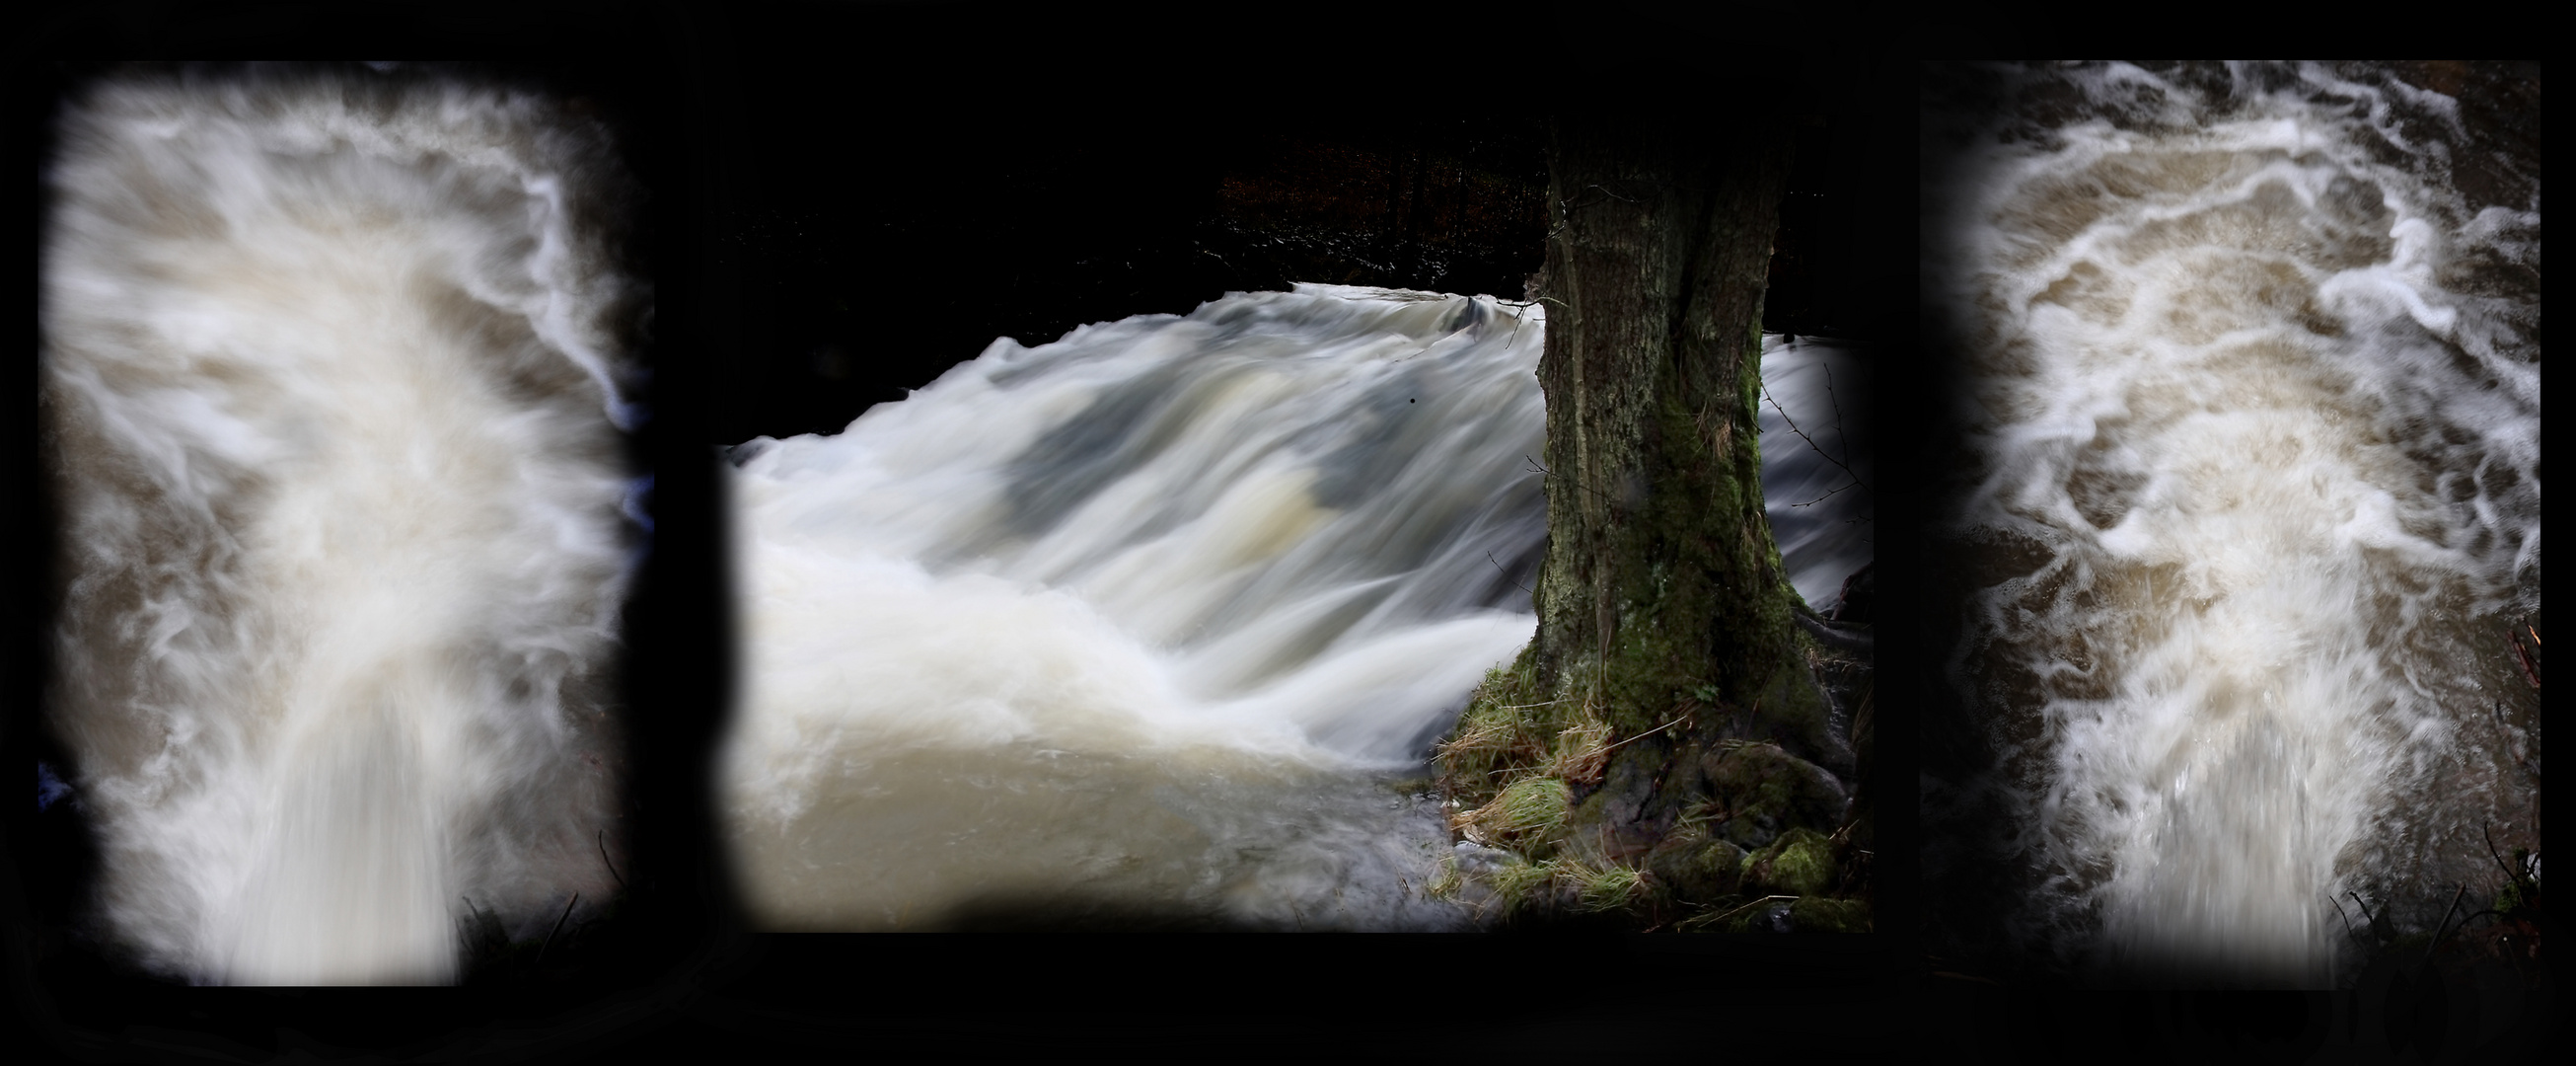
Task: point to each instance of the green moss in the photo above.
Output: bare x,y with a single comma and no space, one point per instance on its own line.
1695,868
2520,892
1813,915
1794,712
1756,791
1800,863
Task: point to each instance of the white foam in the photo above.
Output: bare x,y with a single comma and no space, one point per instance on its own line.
1818,490
332,381
1275,529
2235,402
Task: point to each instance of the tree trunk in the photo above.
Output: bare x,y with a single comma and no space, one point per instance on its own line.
1662,603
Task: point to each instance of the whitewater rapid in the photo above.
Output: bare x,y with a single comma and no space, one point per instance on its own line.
1127,619
2257,409
1158,620
332,382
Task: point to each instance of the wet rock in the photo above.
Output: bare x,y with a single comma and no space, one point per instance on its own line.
1800,863
1474,858
1757,791
1847,639
1697,868
1860,597
1630,805
1812,915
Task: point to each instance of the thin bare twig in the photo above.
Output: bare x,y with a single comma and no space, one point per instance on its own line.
1649,733
1498,565
1537,467
1811,441
2438,930
2510,873
1721,919
603,859
2347,922
550,934
1829,494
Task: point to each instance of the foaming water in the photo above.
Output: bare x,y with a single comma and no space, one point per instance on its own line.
1818,460
2258,409
1156,620
328,377
1146,617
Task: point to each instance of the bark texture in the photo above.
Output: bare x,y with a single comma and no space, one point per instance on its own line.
1662,601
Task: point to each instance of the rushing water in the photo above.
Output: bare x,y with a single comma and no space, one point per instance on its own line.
329,376
1156,619
2257,435
1819,460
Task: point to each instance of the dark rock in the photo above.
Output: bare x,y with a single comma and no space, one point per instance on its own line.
1859,597
1757,791
1630,807
1854,639
1697,868
1800,863
1813,915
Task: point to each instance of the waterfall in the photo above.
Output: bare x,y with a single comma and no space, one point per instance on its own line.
1160,615
330,381
1132,616
2256,449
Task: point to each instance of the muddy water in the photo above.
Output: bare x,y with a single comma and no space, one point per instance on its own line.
2251,484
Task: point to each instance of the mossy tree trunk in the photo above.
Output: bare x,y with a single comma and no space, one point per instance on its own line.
1662,587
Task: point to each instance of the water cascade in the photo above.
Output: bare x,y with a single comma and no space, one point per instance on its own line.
331,401
2257,409
1158,619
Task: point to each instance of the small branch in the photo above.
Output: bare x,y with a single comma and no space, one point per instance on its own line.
550,934
1536,467
1507,575
2510,873
2438,933
1838,405
1811,441
1605,191
603,859
1721,919
1648,733
2347,922
2530,672
1827,496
